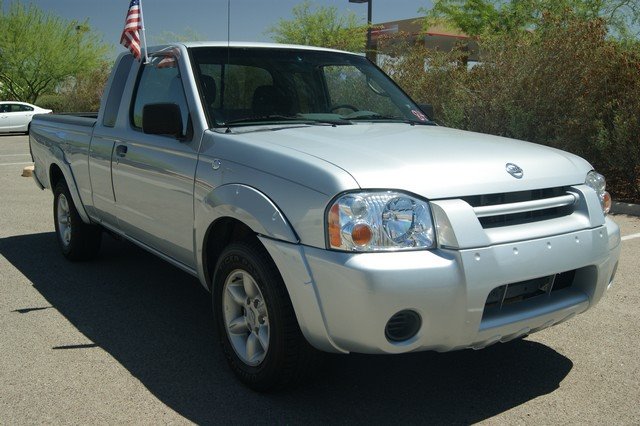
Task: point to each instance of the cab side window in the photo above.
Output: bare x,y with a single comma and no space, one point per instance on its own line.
160,84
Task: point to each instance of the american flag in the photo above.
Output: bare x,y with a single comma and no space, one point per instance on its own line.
133,24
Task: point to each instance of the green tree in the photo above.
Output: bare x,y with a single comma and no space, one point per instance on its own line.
321,26
478,17
39,50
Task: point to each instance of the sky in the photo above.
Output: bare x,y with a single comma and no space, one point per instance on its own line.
208,18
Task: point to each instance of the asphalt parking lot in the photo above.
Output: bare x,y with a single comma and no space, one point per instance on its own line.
128,338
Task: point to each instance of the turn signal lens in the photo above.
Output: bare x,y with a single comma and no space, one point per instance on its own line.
606,202
361,234
334,225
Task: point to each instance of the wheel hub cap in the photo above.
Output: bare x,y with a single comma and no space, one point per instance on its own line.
64,220
245,317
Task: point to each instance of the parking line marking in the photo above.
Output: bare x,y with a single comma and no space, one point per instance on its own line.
16,164
630,237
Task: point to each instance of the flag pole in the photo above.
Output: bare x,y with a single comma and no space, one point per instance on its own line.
144,34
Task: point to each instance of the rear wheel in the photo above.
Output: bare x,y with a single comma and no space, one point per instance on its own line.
77,240
257,327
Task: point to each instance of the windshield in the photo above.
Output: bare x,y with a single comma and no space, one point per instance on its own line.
254,86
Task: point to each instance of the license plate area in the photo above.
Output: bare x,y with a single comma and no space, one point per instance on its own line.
512,293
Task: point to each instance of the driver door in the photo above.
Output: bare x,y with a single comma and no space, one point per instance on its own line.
153,175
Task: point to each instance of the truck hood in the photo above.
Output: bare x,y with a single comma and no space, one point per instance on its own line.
432,161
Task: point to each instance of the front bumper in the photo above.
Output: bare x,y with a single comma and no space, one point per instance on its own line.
343,300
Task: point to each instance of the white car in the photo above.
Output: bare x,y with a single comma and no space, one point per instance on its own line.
16,116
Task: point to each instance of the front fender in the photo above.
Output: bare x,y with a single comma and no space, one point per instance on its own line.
245,204
251,207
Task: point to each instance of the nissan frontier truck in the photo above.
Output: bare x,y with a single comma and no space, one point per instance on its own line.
321,207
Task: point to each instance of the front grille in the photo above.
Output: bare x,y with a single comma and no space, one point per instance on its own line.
514,197
527,217
516,208
517,292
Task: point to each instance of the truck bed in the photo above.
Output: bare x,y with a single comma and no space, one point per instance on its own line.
84,119
67,137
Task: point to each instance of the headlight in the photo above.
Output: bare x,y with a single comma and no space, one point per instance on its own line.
379,221
598,183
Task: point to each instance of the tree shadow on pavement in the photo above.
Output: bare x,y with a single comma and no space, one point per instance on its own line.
156,321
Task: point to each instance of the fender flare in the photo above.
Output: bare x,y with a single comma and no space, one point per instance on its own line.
244,204
60,160
249,206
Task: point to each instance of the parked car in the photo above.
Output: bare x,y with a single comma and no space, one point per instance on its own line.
16,116
322,209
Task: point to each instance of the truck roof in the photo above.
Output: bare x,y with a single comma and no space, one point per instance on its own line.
240,44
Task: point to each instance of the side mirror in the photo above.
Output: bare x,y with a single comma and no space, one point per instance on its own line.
428,110
162,119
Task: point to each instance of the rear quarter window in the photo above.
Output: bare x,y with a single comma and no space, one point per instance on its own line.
115,91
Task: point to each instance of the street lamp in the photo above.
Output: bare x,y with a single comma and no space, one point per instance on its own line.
369,51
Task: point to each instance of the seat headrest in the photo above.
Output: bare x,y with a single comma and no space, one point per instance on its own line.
208,88
269,100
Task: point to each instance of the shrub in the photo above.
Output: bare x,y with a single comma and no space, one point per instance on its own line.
54,102
78,94
565,85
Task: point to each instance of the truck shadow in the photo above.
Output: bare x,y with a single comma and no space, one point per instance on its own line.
155,320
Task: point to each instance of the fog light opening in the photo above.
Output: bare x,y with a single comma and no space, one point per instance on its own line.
402,326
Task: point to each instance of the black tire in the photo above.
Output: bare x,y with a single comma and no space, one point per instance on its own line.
289,357
83,240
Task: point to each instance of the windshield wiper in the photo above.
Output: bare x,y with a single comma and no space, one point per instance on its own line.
279,117
267,118
382,117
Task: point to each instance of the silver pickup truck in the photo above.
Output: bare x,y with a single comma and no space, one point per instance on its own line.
323,209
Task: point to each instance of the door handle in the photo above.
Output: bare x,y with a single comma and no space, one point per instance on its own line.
121,150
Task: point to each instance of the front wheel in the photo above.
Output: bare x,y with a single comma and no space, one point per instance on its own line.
256,324
77,240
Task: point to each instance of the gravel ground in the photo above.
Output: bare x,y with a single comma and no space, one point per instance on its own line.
128,339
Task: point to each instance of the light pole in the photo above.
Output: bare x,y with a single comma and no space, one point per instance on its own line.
369,51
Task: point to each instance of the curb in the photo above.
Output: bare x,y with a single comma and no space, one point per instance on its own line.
28,171
625,208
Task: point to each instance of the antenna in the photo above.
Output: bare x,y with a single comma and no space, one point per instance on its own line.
224,66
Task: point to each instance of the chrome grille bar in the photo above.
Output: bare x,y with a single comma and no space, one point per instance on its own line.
526,206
